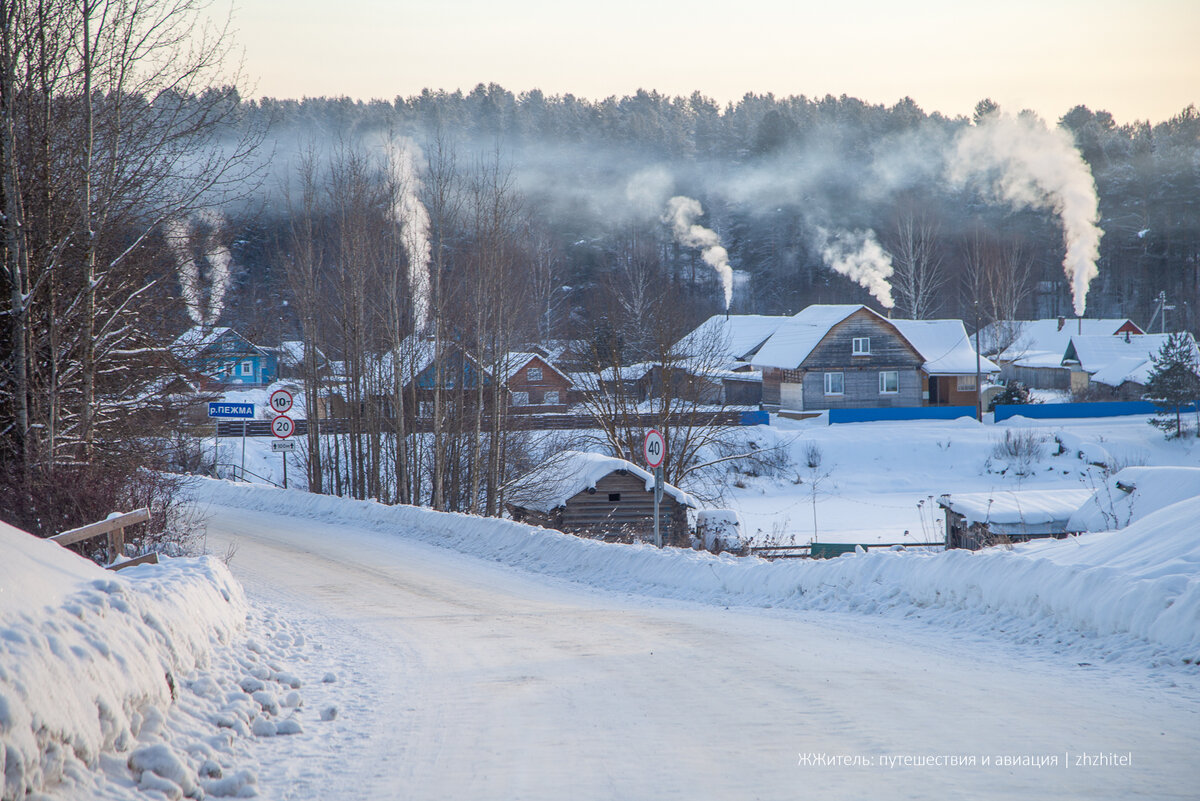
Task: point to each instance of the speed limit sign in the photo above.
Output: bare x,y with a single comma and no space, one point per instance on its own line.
283,426
654,449
281,401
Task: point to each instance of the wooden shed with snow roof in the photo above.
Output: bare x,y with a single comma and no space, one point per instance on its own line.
976,520
600,496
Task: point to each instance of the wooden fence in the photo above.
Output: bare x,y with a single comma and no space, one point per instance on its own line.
828,550
114,527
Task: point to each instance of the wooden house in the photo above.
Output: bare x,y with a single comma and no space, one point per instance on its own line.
1031,351
1114,367
535,385
719,350
977,520
598,496
225,356
850,357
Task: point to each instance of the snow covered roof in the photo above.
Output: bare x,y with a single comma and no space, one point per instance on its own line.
198,337
796,337
1042,343
1113,360
944,345
1020,507
562,477
736,337
515,360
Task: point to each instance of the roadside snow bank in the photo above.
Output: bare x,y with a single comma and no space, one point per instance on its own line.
1133,493
90,658
1143,582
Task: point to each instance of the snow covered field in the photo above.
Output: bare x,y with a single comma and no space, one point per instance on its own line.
470,658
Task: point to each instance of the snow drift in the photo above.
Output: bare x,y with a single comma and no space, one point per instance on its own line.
90,656
1143,582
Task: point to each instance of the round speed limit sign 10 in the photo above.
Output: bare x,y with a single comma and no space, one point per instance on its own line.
283,426
281,401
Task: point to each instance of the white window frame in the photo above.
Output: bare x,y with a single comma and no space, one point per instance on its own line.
551,397
520,398
966,383
883,390
533,374
841,380
861,346
246,368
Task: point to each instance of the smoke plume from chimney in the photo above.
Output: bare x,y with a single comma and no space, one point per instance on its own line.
681,214
859,256
1028,165
203,310
410,213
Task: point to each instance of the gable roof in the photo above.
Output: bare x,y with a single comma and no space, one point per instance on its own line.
795,339
1041,343
565,475
514,361
198,338
944,346
737,337
1113,361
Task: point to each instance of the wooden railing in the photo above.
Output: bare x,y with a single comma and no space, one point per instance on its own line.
114,527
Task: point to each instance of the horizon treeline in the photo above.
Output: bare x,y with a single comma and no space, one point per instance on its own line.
769,172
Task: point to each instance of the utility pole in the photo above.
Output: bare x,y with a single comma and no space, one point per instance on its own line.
978,369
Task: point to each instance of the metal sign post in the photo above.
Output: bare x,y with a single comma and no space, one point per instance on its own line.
655,450
242,411
281,402
283,427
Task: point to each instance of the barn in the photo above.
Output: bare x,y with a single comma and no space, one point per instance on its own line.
599,496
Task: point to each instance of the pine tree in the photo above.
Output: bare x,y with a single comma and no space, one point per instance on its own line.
1174,382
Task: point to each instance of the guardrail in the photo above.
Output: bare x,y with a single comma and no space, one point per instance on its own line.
114,527
513,422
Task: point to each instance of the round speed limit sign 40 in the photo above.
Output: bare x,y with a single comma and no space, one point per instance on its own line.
283,426
654,448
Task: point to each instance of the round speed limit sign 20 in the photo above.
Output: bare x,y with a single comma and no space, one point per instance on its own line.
283,426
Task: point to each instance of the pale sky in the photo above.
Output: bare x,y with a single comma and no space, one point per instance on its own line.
1138,60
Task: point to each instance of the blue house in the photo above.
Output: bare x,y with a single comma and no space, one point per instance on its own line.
225,356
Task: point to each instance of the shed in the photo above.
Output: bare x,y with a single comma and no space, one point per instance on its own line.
976,520
598,496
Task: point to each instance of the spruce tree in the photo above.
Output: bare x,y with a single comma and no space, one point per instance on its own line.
1174,382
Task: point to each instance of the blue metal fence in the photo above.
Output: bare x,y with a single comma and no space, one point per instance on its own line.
1045,411
900,413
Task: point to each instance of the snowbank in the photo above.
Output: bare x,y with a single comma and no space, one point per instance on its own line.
1134,493
1141,583
91,657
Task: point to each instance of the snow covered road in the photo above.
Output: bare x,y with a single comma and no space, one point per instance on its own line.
467,680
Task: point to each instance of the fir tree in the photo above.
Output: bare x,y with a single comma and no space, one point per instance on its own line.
1174,382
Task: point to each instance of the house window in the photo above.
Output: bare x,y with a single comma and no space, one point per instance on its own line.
835,383
614,496
247,368
966,383
551,398
889,382
862,346
520,399
534,374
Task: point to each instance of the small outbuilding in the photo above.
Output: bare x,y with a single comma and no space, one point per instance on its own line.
599,496
976,520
